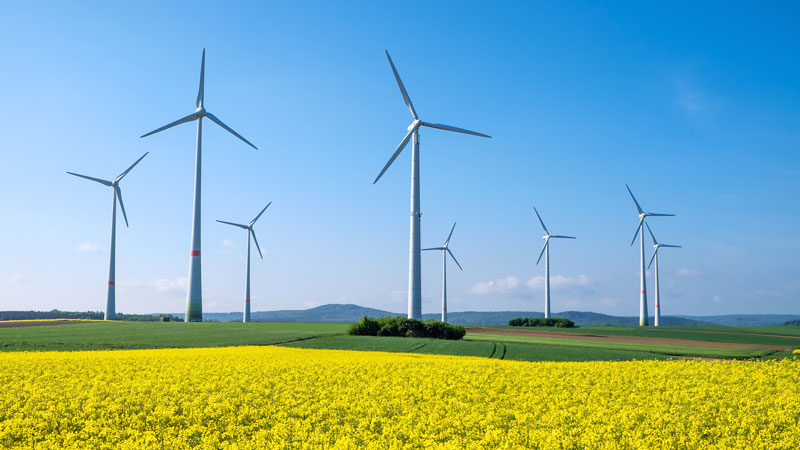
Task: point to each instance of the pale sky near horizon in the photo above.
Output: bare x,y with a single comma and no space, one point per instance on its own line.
695,106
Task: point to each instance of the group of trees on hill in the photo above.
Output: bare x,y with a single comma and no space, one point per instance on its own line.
402,327
556,322
90,315
795,322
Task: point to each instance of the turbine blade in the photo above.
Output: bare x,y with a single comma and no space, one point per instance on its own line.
454,259
451,128
652,258
122,175
563,237
638,208
98,180
406,98
396,153
671,246
662,215
259,214
651,234
121,205
245,227
200,93
540,220
639,227
450,235
433,248
546,241
229,129
189,118
253,232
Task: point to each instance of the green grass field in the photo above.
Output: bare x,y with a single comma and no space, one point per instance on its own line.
499,349
129,335
779,334
134,335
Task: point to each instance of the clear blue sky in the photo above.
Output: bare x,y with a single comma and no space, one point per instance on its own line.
696,106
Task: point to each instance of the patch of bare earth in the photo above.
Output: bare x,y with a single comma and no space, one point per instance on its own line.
630,339
39,323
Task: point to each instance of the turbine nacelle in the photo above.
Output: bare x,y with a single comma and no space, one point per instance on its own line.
417,123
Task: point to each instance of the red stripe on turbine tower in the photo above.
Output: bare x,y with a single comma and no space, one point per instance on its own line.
644,292
247,300
111,283
195,253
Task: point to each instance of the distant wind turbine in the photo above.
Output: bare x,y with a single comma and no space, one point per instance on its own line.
194,300
414,263
657,246
546,251
250,232
111,307
445,250
642,284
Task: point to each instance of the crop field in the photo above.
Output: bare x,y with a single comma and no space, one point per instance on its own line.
130,335
497,349
274,397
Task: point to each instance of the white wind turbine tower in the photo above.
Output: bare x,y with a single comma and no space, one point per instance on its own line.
414,263
194,300
657,246
250,232
642,284
111,307
445,250
546,251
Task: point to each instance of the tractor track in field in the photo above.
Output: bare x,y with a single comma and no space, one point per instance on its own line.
627,339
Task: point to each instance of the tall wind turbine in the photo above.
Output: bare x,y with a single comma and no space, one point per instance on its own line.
642,284
546,251
657,246
445,250
414,269
250,232
111,307
194,300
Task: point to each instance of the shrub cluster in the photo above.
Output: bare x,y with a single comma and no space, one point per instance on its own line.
402,327
556,322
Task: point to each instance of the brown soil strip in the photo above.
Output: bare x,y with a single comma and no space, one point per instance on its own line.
630,339
42,323
743,333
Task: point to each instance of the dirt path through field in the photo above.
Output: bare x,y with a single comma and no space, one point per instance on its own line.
630,339
41,323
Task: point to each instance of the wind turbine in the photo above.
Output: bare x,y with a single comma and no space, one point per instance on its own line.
414,263
546,251
194,300
643,286
250,232
657,246
445,250
111,307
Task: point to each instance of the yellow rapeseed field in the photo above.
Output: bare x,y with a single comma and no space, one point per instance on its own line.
269,397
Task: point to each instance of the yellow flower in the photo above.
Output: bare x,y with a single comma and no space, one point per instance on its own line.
273,397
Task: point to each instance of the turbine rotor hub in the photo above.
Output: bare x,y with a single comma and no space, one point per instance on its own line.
201,111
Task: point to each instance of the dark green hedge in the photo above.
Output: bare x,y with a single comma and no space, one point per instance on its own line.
402,327
556,322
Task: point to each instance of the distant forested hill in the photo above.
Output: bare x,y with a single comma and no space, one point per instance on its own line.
352,313
90,315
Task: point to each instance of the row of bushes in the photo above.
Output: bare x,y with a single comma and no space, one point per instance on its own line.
402,327
556,322
92,315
